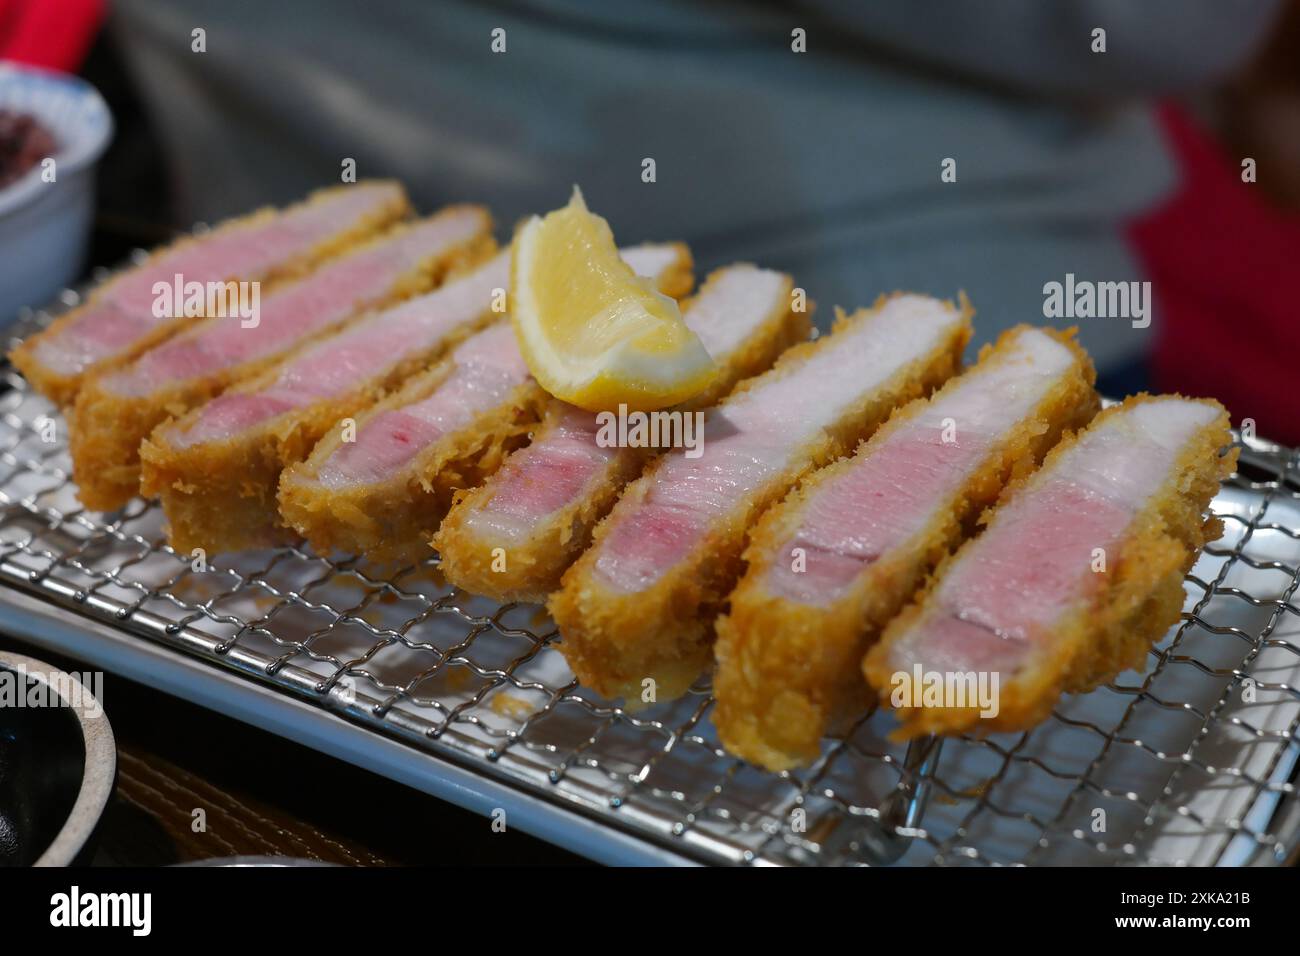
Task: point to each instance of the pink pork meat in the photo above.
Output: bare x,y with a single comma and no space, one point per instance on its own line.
837,559
513,538
636,611
116,411
1079,571
217,469
118,321
382,488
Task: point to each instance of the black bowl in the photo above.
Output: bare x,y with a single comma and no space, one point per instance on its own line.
58,763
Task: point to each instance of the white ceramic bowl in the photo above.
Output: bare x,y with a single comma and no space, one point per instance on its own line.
44,226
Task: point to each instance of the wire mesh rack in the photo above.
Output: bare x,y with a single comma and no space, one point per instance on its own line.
1191,761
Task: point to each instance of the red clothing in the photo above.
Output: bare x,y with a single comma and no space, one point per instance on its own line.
1222,264
55,34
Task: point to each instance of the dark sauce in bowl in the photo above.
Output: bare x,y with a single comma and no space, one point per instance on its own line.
42,759
24,142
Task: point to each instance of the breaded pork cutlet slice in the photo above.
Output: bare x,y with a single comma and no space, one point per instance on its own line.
118,322
216,470
640,604
1078,572
828,567
115,412
515,535
381,488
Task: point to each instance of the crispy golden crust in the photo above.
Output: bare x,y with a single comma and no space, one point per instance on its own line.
105,431
533,568
107,428
392,520
788,671
217,496
780,331
62,388
1140,597
222,495
614,642
679,278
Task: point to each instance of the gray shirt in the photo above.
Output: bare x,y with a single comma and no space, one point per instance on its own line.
825,164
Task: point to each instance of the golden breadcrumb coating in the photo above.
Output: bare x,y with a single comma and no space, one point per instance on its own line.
615,641
1140,596
221,495
107,428
62,388
392,520
787,671
535,566
679,278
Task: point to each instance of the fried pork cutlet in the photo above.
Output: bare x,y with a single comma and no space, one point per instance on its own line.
116,411
1079,571
216,470
118,323
829,566
382,488
639,605
383,491
514,536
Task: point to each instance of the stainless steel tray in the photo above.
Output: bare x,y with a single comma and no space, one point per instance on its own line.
1194,760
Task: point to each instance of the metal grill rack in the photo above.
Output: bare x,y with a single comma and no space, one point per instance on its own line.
1193,760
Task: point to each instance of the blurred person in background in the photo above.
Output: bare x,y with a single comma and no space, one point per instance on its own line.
990,147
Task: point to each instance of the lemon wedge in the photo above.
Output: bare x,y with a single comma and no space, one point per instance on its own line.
593,332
